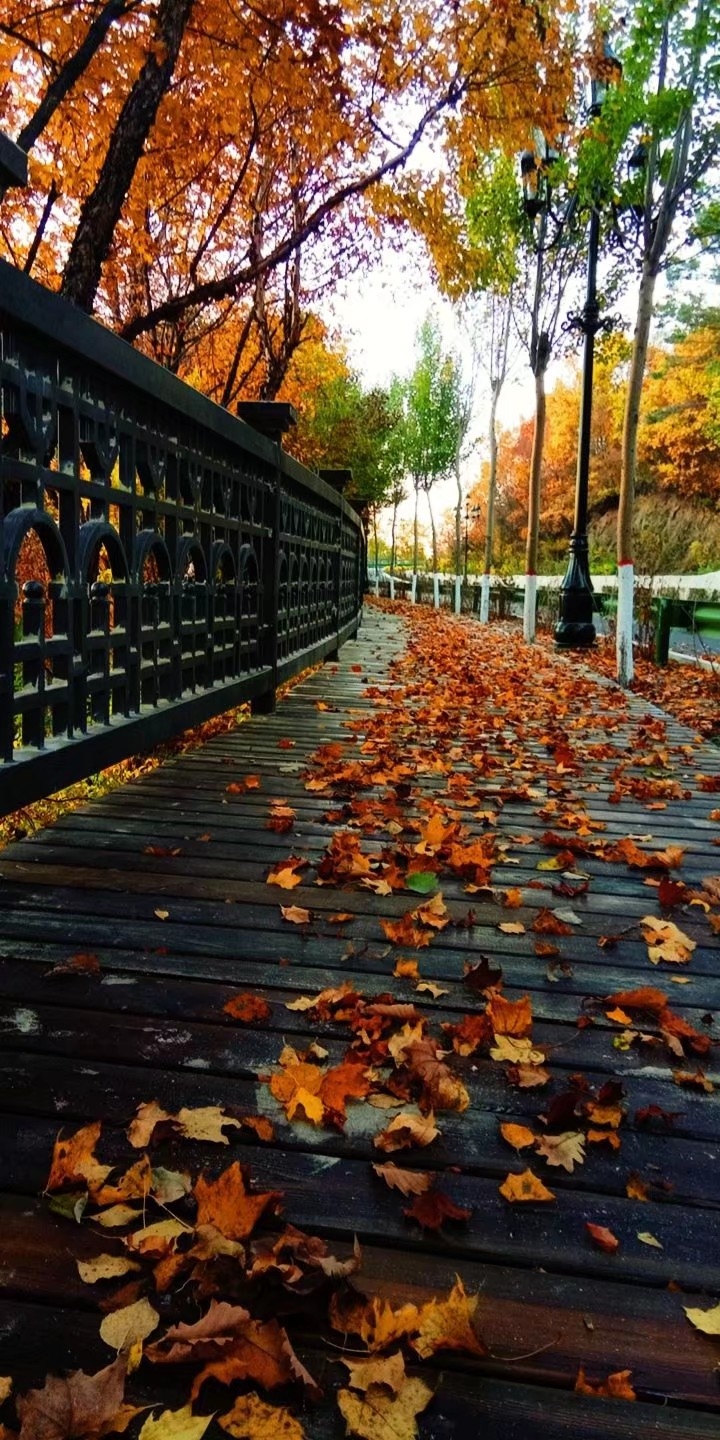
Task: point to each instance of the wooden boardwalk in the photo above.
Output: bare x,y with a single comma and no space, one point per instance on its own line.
164,882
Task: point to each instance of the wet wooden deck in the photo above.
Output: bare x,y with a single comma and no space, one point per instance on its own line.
178,934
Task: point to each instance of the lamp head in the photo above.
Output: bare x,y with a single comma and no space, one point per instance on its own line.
606,71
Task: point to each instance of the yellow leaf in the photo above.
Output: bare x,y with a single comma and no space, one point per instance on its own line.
512,927
286,878
175,1425
162,914
116,1216
517,1135
408,1182
253,1419
405,1131
706,1320
121,1328
518,1050
389,1371
524,1188
648,1239
206,1122
104,1267
377,1415
665,941
430,988
406,969
449,1325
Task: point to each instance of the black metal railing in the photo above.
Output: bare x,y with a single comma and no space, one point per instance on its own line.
161,561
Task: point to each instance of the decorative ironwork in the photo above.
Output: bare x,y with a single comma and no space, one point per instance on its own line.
160,560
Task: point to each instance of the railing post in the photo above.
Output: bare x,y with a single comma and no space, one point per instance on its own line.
339,479
663,621
271,418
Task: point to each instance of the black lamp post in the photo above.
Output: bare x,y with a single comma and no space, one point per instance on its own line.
575,629
471,513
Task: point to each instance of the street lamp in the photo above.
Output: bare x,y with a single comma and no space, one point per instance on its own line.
471,513
575,629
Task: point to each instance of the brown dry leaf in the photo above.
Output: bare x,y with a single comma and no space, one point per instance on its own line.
341,917
524,1188
116,1216
517,1135
433,1207
408,1182
474,1030
227,1203
603,1238
175,1425
253,1419
636,1188
78,1405
158,1239
122,1328
74,1159
248,1009
406,932
389,1371
645,998
135,1184
262,1353
449,1325
203,1122
379,1415
510,1017
209,1336
406,1131
528,1077
665,941
567,1150
616,1387
296,914
511,927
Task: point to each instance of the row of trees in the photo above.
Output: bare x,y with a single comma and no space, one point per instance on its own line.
678,469
204,172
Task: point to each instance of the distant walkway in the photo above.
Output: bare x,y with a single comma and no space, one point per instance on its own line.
164,882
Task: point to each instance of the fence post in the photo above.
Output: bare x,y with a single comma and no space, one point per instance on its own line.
458,594
271,418
413,590
436,592
339,480
392,587
663,622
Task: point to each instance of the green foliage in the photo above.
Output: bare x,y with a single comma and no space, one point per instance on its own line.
432,402
360,430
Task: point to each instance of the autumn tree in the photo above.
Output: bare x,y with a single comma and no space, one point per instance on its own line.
665,118
432,414
192,150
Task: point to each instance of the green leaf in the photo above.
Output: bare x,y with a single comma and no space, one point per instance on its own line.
421,881
71,1205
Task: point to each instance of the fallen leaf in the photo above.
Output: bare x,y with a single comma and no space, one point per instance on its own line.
104,1267
253,1419
519,1051
408,1182
406,1131
175,1425
121,1328
603,1238
706,1320
377,1415
390,1371
78,1405
517,1135
665,941
248,1009
227,1203
449,1324
76,965
74,1159
648,1239
566,1150
428,987
433,1207
406,969
616,1387
511,927
162,914
510,1017
696,1079
524,1188
295,914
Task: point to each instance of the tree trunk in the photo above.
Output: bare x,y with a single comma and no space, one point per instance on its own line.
624,633
375,538
103,206
392,535
71,71
458,516
416,483
490,518
434,534
531,549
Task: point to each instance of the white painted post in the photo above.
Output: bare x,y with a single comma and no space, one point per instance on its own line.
392,587
529,608
624,631
436,591
413,589
485,598
458,594
377,582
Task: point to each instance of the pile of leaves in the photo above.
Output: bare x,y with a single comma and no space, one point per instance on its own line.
690,693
